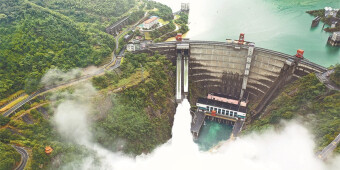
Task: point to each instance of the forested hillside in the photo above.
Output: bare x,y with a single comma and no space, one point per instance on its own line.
308,100
36,35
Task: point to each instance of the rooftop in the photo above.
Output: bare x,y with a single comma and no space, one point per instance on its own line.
224,96
222,104
150,20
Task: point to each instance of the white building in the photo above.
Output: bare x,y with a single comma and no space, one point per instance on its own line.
150,22
336,36
330,12
131,47
185,7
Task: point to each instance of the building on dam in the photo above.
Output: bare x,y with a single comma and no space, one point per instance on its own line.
220,108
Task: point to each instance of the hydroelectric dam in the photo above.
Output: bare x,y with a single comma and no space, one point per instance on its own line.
236,68
231,68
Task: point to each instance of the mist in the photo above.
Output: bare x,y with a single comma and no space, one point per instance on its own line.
290,148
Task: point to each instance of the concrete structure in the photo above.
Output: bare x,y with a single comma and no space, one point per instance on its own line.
327,151
118,26
182,71
219,111
329,12
231,112
230,68
334,39
148,24
185,7
226,99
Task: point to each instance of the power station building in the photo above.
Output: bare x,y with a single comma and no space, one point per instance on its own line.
221,109
148,24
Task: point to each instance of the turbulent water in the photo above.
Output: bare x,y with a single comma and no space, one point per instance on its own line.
280,25
212,133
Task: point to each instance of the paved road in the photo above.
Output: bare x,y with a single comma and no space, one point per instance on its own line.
30,97
129,29
329,149
324,78
24,157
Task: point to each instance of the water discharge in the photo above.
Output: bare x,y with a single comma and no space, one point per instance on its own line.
291,148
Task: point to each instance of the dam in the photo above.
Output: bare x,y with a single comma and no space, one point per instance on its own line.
236,68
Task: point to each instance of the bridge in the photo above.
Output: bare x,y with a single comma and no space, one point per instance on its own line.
115,63
326,152
118,26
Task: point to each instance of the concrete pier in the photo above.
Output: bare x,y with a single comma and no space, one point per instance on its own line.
197,123
186,74
247,70
179,78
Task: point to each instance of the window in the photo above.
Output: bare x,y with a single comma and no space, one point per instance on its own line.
231,113
207,107
219,111
227,112
211,108
223,112
215,109
235,114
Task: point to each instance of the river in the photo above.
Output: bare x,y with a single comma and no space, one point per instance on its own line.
280,25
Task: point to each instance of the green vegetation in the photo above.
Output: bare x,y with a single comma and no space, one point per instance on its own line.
36,35
11,97
335,77
4,120
135,16
142,114
163,30
8,156
163,11
37,136
16,101
320,12
183,18
309,99
89,11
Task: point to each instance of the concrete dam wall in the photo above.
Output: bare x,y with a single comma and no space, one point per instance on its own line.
222,67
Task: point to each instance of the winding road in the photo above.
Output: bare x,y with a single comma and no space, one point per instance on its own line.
24,157
107,67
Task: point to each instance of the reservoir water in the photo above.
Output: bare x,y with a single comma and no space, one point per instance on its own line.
280,25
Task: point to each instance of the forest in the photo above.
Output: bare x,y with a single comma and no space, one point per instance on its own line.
36,35
307,100
163,11
142,116
143,113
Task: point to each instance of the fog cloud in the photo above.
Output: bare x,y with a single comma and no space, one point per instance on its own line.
290,148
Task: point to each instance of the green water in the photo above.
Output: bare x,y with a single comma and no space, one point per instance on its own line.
280,25
212,133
